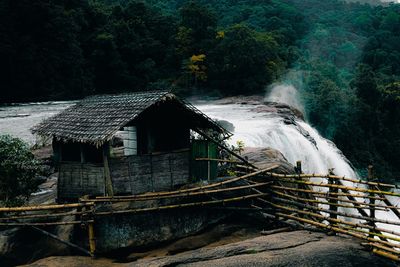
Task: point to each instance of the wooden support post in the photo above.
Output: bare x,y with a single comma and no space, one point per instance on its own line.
83,160
371,200
92,239
87,219
333,191
208,163
298,167
299,171
107,175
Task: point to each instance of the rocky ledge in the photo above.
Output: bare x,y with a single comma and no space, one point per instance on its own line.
294,248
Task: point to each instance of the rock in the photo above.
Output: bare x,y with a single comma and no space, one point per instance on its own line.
226,124
266,157
24,244
297,248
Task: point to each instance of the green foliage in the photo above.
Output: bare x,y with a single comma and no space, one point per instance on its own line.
18,170
348,53
244,61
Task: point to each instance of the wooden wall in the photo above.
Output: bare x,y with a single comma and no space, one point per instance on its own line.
77,179
129,175
147,173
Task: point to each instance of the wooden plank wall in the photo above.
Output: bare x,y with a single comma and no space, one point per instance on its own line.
147,173
77,179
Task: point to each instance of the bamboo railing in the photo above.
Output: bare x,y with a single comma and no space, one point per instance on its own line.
314,201
342,205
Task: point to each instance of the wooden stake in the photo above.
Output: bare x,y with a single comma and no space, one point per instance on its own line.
107,175
92,239
332,190
371,201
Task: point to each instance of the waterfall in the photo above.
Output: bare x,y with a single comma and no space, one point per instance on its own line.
298,141
260,127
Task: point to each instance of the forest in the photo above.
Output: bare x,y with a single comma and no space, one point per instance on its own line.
343,57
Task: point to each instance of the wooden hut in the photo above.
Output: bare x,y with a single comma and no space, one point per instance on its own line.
129,144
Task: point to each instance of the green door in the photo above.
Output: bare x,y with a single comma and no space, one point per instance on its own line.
203,169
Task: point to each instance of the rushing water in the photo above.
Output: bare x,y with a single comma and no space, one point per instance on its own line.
17,119
269,130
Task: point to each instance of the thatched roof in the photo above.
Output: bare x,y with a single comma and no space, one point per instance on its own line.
97,118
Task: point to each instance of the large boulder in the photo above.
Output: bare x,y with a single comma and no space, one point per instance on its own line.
267,157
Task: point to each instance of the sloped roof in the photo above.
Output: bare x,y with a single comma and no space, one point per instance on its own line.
97,118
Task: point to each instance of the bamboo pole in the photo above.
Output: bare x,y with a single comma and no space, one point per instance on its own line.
188,194
41,224
371,201
331,204
218,160
199,187
344,187
185,205
371,234
287,176
322,193
46,207
336,229
360,210
386,255
366,218
246,162
381,247
32,216
330,219
338,222
395,210
61,240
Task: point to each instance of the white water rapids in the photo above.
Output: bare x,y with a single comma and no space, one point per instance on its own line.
264,130
260,129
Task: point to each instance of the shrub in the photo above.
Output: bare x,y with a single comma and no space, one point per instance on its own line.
18,171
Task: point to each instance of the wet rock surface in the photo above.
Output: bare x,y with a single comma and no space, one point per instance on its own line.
267,157
296,248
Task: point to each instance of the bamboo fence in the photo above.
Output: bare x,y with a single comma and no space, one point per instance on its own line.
339,204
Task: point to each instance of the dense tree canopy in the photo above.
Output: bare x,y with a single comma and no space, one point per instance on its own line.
18,170
347,52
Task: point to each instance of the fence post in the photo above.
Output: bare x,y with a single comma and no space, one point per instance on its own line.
333,192
371,199
92,239
298,167
88,217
